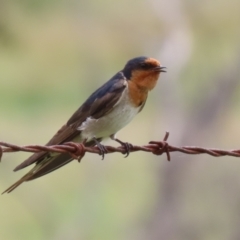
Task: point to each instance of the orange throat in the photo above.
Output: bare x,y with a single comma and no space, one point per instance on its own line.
140,84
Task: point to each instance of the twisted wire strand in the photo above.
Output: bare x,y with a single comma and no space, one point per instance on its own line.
77,150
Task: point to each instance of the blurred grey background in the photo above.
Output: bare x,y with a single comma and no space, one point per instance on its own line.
53,54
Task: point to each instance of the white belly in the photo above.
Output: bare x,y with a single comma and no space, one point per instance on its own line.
123,112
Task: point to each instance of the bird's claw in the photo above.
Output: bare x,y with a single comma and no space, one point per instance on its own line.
102,149
127,146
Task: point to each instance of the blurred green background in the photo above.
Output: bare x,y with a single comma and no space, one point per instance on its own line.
53,54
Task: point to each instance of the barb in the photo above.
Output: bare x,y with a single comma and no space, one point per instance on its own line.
78,150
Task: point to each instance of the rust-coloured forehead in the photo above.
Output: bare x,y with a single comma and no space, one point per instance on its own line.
153,62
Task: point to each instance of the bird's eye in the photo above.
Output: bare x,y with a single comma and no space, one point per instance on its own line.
144,65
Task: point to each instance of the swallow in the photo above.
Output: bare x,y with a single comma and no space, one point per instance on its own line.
103,114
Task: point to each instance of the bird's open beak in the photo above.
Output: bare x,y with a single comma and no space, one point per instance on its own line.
160,69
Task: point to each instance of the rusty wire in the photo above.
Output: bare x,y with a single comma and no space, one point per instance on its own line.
77,150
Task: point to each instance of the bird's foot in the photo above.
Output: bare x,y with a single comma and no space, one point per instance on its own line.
101,148
126,145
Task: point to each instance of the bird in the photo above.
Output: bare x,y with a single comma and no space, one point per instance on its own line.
110,108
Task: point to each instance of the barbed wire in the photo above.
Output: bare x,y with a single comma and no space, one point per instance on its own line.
78,150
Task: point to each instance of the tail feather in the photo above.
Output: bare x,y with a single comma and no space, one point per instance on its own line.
50,165
45,163
46,166
34,158
16,184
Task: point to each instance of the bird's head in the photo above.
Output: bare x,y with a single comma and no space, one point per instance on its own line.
143,71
